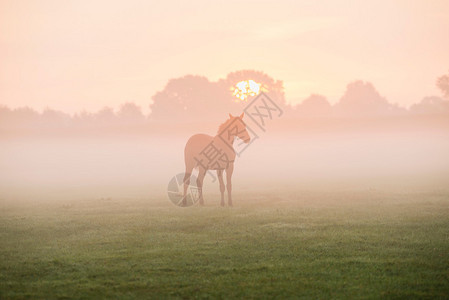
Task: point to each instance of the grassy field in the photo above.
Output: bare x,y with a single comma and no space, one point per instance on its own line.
306,244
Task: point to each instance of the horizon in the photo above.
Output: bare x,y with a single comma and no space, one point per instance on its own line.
146,109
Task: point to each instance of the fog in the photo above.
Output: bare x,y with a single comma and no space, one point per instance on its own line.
325,157
362,142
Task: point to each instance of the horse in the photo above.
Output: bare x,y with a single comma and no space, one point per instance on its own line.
207,152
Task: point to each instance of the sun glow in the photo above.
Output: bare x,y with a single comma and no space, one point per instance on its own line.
245,89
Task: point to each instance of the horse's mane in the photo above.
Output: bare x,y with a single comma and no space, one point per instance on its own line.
223,126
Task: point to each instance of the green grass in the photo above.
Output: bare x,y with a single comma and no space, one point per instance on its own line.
314,245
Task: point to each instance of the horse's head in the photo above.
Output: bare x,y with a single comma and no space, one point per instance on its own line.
241,131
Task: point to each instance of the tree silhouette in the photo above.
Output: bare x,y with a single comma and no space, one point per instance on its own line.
362,99
195,98
54,119
186,99
443,84
312,106
105,116
130,113
5,115
83,119
431,105
22,117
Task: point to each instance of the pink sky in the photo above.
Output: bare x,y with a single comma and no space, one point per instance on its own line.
74,55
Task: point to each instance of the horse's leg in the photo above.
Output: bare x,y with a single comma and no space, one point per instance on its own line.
199,184
222,186
186,183
229,171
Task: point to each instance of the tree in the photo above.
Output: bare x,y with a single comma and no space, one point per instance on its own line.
53,118
187,98
83,119
431,105
22,117
5,116
443,84
312,106
105,116
130,113
362,99
195,98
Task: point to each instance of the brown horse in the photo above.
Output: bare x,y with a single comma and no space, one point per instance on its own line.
214,153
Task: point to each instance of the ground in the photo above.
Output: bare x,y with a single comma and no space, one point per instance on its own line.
310,244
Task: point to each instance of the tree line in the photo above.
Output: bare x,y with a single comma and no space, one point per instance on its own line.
195,98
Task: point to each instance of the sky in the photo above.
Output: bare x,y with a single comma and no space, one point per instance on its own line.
84,55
